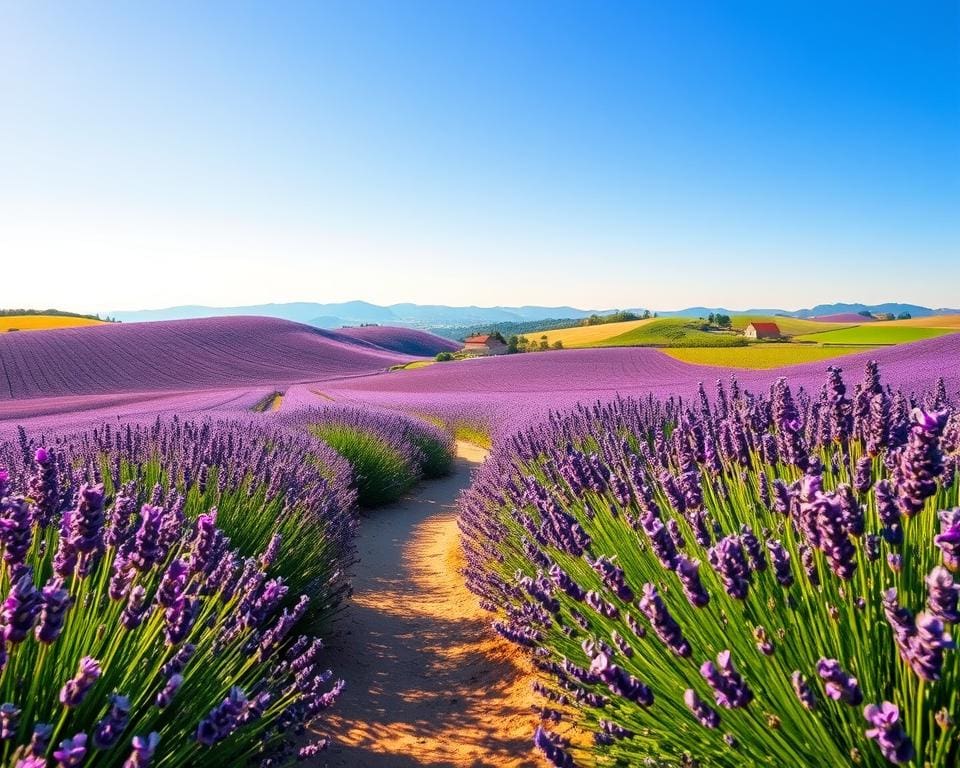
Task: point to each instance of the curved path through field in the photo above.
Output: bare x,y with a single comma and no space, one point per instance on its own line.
428,682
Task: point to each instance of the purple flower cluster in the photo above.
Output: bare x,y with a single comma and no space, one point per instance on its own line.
808,506
145,579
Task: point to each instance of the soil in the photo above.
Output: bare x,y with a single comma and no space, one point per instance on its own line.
429,684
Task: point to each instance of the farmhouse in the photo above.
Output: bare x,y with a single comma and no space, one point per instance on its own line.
485,344
762,331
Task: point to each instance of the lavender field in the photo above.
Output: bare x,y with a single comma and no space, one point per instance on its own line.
782,501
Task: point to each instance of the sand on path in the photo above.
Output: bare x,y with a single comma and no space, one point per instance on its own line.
428,682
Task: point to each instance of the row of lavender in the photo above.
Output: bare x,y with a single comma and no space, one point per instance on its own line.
736,582
163,586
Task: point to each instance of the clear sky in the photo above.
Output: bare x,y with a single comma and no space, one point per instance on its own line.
658,154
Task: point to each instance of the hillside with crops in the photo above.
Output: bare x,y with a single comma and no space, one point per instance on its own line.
186,354
220,504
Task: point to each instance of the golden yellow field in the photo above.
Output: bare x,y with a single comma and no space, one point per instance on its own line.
760,355
42,322
586,335
937,321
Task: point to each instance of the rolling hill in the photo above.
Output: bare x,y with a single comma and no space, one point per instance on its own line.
181,355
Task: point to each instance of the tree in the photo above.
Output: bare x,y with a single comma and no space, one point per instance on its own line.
711,319
513,345
646,314
904,316
558,344
444,357
722,321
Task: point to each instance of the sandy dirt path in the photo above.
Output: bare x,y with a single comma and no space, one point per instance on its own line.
429,684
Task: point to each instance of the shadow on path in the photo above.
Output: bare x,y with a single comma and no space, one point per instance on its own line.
429,684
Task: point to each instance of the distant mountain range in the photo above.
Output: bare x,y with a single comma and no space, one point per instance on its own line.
439,317
359,312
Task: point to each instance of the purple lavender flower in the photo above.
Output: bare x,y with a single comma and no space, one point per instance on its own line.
942,595
613,577
728,560
548,744
827,514
21,608
620,682
107,732
753,548
56,602
921,461
729,689
223,719
660,540
40,739
803,690
135,608
313,749
118,520
147,551
44,488
663,623
888,732
71,751
173,583
16,531
838,684
948,540
928,645
75,689
86,521
688,571
9,718
863,475
169,691
705,714
781,562
141,753
179,619
563,580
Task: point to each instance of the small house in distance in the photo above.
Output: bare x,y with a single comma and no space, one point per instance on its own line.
485,344
762,331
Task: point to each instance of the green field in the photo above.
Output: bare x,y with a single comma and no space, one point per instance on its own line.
789,326
761,355
876,334
673,333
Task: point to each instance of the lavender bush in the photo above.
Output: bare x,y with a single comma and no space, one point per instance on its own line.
388,451
269,487
132,635
738,582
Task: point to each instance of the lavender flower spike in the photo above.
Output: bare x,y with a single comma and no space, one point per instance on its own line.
888,732
558,757
75,689
839,685
71,751
142,751
705,714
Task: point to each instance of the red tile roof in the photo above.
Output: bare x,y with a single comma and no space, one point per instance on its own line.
480,338
766,327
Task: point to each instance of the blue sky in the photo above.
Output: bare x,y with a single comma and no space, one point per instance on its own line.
595,154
